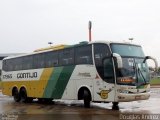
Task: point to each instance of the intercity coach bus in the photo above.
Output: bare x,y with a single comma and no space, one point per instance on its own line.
96,71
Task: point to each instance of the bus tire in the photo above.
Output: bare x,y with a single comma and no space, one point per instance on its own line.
16,95
86,98
29,99
115,106
23,95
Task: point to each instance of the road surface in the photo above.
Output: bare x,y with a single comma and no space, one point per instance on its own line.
68,110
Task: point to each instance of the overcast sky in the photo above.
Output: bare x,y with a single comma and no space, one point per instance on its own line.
26,25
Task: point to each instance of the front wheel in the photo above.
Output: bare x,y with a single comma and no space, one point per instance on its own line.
115,106
87,99
29,99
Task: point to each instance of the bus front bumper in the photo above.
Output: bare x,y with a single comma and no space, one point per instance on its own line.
124,97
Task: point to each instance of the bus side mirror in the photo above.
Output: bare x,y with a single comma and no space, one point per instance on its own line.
118,59
155,61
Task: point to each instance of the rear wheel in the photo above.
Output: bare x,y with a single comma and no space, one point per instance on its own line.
86,98
29,99
23,95
16,95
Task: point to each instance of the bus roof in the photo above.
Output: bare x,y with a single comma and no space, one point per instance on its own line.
62,46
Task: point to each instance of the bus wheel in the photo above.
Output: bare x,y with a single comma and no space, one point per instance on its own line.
115,106
23,95
29,99
86,98
16,95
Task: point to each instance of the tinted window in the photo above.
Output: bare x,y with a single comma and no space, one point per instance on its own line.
4,65
83,55
27,62
51,59
10,65
66,57
38,61
17,63
100,52
103,62
108,70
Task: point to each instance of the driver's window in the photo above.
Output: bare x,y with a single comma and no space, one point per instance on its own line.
101,51
108,70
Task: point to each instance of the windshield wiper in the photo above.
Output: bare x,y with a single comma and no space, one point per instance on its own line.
138,71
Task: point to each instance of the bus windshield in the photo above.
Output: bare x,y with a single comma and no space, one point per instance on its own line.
134,71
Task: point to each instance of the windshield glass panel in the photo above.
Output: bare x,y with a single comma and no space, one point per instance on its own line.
127,50
134,71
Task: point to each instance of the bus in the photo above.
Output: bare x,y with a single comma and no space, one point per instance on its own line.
99,71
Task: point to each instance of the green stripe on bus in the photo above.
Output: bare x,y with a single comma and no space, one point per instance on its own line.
52,82
62,81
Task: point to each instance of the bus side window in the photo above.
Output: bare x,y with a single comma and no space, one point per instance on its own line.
4,65
51,59
66,56
27,62
83,55
39,61
18,63
10,65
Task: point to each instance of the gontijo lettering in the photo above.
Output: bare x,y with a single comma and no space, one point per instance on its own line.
27,75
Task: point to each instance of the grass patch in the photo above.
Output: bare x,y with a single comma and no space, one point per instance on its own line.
155,81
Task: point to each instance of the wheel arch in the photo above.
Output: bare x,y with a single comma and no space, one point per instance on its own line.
80,92
23,87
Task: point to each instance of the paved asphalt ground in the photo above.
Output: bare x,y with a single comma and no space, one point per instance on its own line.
68,110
